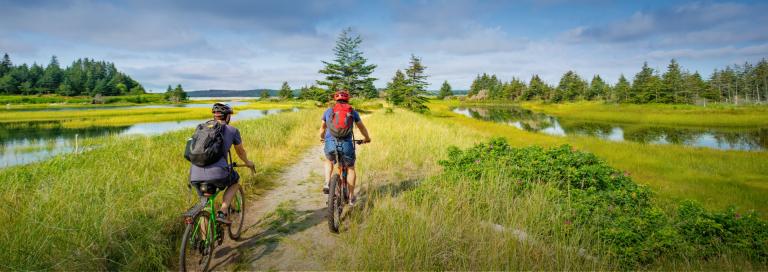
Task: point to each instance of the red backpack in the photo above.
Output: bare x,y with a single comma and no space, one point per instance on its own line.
341,121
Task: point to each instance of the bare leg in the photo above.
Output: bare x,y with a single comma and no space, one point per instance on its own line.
228,195
351,176
328,171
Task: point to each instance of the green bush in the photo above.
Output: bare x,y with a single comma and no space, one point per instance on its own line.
635,230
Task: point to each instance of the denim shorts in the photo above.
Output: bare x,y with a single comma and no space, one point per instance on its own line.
347,151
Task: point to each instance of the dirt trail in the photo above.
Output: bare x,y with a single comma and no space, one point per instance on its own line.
285,229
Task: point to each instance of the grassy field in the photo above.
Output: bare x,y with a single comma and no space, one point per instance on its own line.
33,101
482,224
118,207
717,178
119,117
722,115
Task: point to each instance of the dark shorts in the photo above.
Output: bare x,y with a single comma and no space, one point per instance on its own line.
221,184
347,151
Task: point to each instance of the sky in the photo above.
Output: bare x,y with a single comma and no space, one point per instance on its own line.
259,44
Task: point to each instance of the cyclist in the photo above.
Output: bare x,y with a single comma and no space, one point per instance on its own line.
218,173
347,146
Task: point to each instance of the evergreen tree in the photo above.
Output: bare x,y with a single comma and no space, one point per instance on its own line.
674,90
570,88
622,90
646,87
597,89
397,89
349,69
445,90
264,95
515,89
51,77
285,91
180,94
5,65
536,89
417,86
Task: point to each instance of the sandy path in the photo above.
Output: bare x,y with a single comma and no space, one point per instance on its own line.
286,228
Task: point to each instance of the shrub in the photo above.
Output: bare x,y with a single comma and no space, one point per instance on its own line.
635,230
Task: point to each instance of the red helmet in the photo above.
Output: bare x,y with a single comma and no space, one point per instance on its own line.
341,95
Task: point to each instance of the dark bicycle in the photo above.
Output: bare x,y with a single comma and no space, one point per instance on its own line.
203,232
338,191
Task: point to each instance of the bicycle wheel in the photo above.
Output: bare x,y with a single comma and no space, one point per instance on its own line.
236,213
335,207
197,244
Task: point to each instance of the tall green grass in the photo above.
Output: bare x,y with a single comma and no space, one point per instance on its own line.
119,207
415,218
716,178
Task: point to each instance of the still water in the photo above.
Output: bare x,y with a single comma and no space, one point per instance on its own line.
22,143
755,139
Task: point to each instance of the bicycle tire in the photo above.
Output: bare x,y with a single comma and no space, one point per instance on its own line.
195,254
334,204
236,213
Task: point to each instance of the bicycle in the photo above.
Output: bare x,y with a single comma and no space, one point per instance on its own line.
338,190
203,232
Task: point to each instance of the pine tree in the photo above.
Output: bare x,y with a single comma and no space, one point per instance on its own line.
264,95
621,90
5,65
417,86
570,88
597,89
536,89
51,77
646,87
349,70
285,91
445,90
673,86
179,93
397,89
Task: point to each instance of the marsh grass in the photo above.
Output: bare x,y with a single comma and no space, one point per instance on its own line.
119,206
470,224
721,115
717,178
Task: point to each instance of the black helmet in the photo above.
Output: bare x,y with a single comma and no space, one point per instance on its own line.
223,108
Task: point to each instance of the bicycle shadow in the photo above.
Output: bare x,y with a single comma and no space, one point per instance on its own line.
276,225
366,199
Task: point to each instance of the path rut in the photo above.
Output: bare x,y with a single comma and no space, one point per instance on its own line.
286,228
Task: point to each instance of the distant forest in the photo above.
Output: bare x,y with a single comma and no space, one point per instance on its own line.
83,77
736,84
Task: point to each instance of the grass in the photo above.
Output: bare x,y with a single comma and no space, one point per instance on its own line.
392,231
121,117
716,178
118,207
721,115
24,101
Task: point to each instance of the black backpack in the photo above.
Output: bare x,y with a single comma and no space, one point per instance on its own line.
207,144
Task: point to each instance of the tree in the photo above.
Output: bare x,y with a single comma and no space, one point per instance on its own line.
673,86
536,89
349,69
415,95
314,93
621,90
264,95
570,88
397,88
5,65
445,90
51,77
646,87
285,91
597,89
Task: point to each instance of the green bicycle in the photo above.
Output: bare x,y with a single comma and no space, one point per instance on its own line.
203,232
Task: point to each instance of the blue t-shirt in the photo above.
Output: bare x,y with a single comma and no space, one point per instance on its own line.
217,170
327,119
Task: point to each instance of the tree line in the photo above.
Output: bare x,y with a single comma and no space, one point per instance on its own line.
735,84
83,77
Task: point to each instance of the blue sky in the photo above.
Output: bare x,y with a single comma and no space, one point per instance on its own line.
259,44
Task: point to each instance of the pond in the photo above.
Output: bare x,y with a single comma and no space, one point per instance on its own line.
754,139
22,143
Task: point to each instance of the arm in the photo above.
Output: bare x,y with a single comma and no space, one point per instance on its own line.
240,150
363,130
322,131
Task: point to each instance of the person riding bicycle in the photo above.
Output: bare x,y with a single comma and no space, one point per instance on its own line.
218,173
347,146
